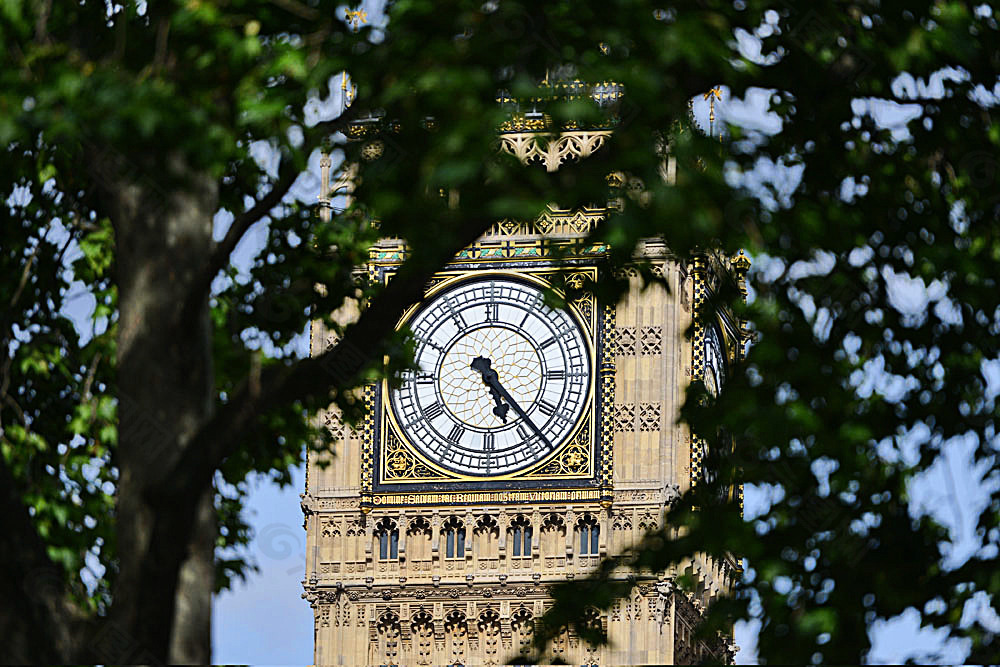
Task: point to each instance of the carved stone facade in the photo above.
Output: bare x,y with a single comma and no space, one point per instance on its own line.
453,576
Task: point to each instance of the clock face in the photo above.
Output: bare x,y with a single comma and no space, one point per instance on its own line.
499,417
715,362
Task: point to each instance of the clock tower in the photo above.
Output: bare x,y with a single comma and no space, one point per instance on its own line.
529,443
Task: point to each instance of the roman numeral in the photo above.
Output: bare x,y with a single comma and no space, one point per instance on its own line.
456,315
546,407
433,410
456,433
523,432
547,343
556,375
489,442
433,344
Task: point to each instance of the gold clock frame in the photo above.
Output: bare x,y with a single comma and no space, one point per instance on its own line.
401,463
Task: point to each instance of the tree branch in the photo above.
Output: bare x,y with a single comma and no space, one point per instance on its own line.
287,174
311,378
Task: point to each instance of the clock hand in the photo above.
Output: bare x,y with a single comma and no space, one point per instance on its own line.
482,365
492,380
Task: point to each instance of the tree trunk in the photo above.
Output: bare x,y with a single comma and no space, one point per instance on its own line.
165,388
191,642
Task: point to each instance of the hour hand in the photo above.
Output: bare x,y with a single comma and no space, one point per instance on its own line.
491,380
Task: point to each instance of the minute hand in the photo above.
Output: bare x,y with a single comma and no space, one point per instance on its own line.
493,381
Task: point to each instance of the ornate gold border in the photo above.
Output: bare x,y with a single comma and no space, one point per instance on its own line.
486,496
574,459
498,250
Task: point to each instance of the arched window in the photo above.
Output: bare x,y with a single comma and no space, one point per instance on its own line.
520,537
589,532
387,537
453,533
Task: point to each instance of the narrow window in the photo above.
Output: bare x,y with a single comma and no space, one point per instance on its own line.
454,538
387,535
590,536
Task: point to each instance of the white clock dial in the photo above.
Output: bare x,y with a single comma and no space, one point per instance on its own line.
449,410
715,361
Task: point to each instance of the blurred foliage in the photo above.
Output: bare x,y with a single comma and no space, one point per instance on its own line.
836,208
869,200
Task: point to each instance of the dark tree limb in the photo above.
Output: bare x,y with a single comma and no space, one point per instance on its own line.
288,172
312,378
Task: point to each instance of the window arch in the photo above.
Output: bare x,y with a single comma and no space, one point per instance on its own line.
489,631
522,625
486,533
355,544
553,535
418,539
422,627
593,622
453,533
456,633
520,535
588,531
388,637
387,539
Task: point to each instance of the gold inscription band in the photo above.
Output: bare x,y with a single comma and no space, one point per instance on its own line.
485,497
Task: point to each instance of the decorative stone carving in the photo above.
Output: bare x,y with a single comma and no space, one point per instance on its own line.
649,417
488,627
650,340
624,417
551,150
422,629
623,341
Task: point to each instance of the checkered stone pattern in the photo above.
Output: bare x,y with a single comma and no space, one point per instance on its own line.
605,476
699,296
698,450
624,417
650,341
649,417
368,439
